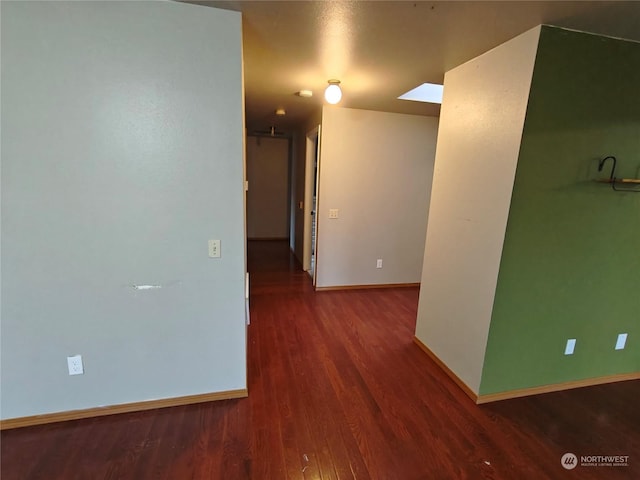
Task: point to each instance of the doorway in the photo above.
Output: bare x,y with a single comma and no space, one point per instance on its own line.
268,198
311,189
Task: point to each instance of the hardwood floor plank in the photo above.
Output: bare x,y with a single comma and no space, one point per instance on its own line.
338,390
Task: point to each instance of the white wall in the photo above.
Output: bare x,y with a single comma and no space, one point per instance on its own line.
121,156
376,169
268,195
481,123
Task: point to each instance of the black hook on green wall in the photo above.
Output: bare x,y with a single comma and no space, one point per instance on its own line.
613,180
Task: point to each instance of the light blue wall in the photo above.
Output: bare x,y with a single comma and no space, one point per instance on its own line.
121,156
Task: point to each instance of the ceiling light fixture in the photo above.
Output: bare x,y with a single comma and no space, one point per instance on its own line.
281,112
333,93
305,93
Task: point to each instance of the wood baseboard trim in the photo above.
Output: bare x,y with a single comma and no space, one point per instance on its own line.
123,408
367,287
465,388
525,392
557,387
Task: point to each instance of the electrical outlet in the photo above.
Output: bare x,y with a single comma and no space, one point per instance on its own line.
333,213
621,341
379,263
214,248
75,365
571,346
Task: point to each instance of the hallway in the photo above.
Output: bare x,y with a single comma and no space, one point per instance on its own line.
335,366
337,390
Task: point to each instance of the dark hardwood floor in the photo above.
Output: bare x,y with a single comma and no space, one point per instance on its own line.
337,390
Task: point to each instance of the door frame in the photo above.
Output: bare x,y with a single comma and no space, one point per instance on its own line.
312,152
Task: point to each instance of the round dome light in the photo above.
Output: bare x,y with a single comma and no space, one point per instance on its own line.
333,93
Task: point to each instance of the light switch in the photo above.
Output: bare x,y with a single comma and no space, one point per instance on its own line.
333,213
214,248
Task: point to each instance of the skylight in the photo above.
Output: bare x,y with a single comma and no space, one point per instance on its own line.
427,92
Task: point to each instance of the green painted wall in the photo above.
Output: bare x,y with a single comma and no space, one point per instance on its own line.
570,266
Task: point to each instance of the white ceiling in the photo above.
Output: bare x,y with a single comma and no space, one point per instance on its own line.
381,49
